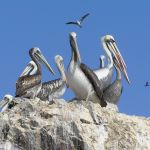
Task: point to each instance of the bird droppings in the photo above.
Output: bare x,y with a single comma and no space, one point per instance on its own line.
76,125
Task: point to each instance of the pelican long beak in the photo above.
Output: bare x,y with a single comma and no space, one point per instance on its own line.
119,59
44,61
74,45
120,55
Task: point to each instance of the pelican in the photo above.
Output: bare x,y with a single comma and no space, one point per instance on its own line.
80,78
29,85
79,22
113,92
55,88
52,89
105,74
4,104
102,61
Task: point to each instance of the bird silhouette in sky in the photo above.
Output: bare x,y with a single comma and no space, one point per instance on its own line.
79,22
147,84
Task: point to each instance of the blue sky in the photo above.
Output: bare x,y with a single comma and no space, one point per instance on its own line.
26,24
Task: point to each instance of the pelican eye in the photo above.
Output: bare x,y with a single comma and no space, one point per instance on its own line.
6,98
112,40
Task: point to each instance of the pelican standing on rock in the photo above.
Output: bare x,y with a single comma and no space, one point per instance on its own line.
55,88
52,89
4,104
113,92
29,86
105,74
84,86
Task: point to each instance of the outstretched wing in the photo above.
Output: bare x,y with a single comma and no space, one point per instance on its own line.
94,81
82,18
71,23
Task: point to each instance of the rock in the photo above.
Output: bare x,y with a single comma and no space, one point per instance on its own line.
76,125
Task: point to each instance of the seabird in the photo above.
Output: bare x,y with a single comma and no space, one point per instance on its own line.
79,22
55,88
81,79
28,86
147,84
105,74
52,89
113,92
4,104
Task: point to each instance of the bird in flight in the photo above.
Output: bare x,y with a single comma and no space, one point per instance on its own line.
147,84
79,22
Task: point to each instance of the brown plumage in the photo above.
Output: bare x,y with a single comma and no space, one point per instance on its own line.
29,85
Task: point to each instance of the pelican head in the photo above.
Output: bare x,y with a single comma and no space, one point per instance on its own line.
60,66
74,46
7,99
30,69
110,44
102,57
35,53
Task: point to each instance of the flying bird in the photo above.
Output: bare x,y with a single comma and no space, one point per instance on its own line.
147,84
79,22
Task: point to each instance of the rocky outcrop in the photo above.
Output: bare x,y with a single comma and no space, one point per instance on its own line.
76,125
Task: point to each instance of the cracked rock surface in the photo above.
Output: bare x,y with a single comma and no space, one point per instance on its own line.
76,125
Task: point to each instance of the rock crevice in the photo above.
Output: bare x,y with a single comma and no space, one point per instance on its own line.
76,125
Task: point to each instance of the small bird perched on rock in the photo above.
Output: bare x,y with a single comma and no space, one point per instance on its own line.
79,22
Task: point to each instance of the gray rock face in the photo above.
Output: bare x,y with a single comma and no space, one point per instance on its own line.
77,125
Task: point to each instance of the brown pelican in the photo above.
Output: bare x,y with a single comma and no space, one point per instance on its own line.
29,85
55,88
4,104
113,92
102,61
79,22
80,78
105,74
52,89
